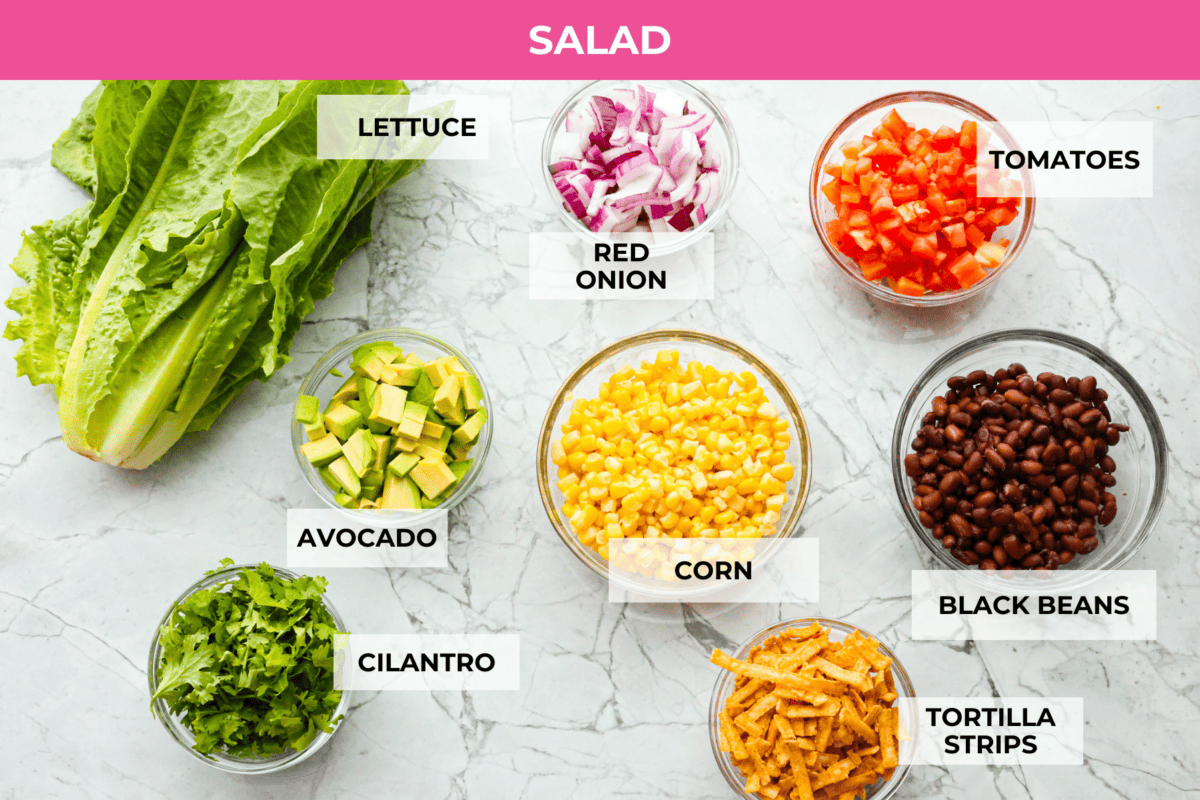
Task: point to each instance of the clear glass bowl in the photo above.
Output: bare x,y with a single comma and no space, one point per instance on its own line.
692,346
321,384
906,702
925,110
720,136
1141,455
185,738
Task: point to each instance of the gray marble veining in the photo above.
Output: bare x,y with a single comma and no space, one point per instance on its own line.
613,699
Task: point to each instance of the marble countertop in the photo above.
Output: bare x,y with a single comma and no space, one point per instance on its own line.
613,698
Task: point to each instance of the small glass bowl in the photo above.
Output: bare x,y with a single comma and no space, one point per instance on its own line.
321,384
928,110
692,346
719,136
185,738
1141,455
906,702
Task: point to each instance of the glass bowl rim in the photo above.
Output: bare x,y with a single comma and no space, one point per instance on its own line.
1156,435
874,288
726,680
787,528
320,370
675,243
219,760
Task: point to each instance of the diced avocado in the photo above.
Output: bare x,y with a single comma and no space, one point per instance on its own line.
371,493
365,504
378,427
432,416
404,444
458,414
438,370
447,396
322,451
459,450
406,374
425,449
455,367
346,391
383,449
423,390
402,464
344,500
387,407
432,428
347,479
315,431
367,360
329,480
400,493
359,450
469,430
388,353
413,358
434,502
472,393
337,373
308,409
413,421
366,389
460,468
363,409
342,421
433,476
373,477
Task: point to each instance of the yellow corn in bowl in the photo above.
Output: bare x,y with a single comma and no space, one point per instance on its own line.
672,434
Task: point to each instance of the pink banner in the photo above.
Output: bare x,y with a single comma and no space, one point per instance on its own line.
694,40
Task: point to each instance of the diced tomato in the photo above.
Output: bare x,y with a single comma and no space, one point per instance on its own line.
908,206
956,234
873,270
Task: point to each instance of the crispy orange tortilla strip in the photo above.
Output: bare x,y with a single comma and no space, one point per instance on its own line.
787,680
834,774
799,773
826,709
856,679
850,716
888,724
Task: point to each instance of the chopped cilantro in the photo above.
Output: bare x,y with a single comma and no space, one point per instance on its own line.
248,664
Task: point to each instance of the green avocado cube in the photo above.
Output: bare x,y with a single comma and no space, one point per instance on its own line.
469,431
342,421
346,477
432,476
448,396
400,492
404,444
472,393
459,450
346,391
423,390
322,451
434,429
383,449
359,450
344,500
402,464
402,374
387,407
329,480
413,421
413,358
315,431
460,468
308,409
366,390
372,477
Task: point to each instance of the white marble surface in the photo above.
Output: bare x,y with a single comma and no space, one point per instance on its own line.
613,699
